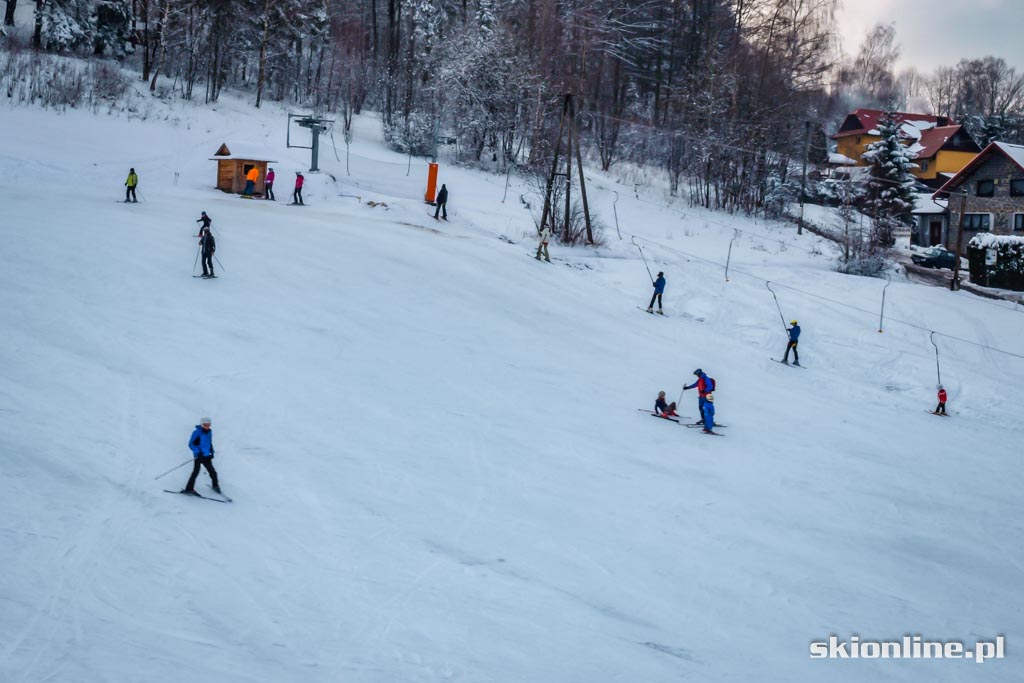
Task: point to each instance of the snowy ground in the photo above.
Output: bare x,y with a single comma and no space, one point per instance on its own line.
432,440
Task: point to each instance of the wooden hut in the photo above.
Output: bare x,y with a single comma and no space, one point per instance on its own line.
233,165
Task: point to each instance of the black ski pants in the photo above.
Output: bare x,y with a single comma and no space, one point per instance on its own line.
129,193
207,263
297,195
442,210
941,408
796,356
657,295
206,462
270,192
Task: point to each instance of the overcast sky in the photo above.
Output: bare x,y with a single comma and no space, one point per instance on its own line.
934,33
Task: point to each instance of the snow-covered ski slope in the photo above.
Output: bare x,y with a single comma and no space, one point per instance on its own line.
432,440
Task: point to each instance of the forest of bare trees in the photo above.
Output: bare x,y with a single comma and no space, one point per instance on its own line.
723,97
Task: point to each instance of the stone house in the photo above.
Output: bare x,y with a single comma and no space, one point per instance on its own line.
989,192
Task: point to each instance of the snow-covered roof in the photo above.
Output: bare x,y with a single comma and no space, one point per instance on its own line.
865,121
837,159
1015,152
924,204
242,151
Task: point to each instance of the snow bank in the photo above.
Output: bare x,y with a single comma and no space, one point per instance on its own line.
988,240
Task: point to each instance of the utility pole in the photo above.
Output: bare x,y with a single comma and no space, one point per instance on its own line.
955,284
567,124
803,177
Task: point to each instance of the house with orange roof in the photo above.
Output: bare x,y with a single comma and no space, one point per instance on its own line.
940,146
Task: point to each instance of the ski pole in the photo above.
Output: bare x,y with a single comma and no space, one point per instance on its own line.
173,468
196,262
219,263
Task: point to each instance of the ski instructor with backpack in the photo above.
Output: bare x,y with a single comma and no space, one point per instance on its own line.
704,386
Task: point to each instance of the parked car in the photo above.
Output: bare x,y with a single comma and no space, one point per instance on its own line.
935,257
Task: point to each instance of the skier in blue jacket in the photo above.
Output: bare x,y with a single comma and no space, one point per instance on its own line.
659,289
794,336
709,414
201,444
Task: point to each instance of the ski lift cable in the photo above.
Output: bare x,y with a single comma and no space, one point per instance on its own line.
835,301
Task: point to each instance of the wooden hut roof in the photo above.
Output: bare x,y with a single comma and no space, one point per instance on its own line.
246,152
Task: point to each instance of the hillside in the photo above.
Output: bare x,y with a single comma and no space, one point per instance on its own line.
432,440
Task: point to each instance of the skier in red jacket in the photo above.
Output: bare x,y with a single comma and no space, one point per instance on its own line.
704,386
297,194
941,408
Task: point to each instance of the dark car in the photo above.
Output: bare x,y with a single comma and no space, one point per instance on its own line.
935,257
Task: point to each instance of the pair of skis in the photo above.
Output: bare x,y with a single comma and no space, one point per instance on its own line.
645,310
695,425
194,494
663,417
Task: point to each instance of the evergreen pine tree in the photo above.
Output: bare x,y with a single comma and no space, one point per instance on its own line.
891,189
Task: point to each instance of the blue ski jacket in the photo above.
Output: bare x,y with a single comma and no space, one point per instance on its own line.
659,285
794,333
703,385
709,415
201,442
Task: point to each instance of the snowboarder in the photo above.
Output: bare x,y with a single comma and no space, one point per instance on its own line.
704,385
297,194
941,408
201,443
270,185
664,409
209,246
794,337
442,203
545,236
130,185
205,220
659,288
708,411
250,181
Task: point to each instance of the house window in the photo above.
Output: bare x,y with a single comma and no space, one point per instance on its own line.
976,221
986,188
1018,222
924,165
1017,188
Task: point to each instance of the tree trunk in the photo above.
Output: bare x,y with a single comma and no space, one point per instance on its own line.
37,34
9,15
263,53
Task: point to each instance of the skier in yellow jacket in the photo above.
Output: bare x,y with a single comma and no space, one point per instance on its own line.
130,185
